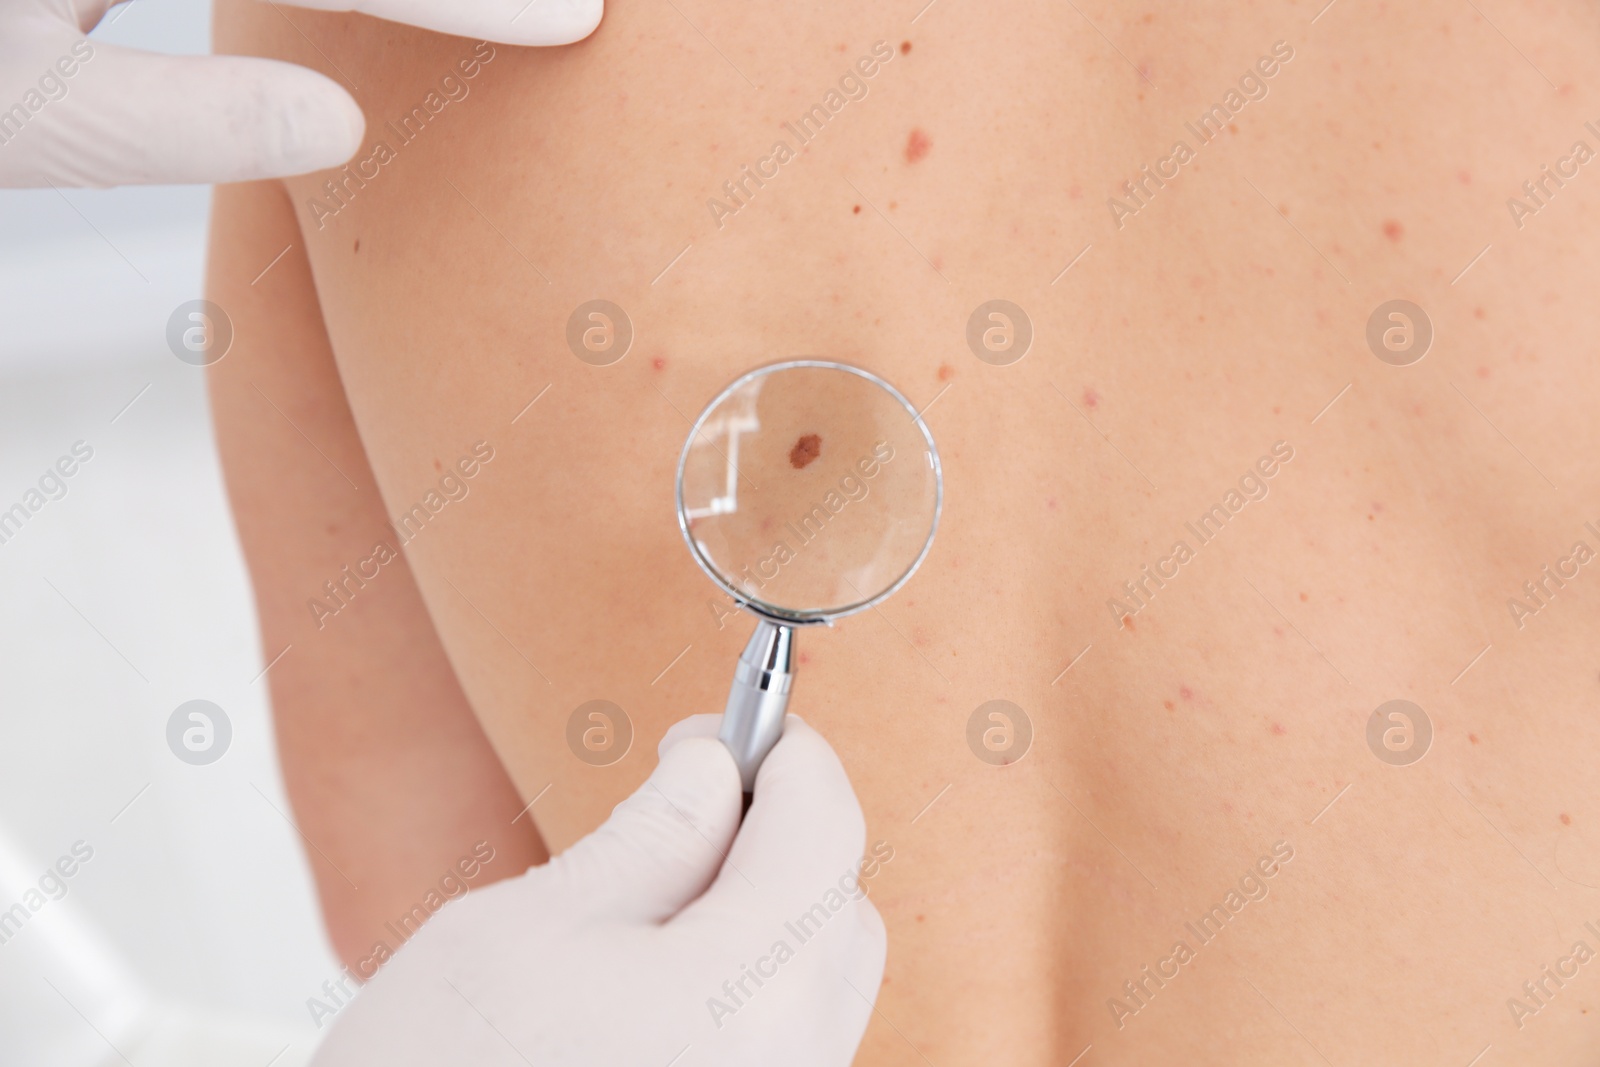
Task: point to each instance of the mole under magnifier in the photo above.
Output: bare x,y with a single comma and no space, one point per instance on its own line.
808,490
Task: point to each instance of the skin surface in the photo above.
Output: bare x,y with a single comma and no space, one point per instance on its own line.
1171,749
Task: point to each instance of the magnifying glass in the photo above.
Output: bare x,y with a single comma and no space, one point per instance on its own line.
808,490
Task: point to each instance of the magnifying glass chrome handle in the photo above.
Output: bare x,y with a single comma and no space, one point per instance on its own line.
758,698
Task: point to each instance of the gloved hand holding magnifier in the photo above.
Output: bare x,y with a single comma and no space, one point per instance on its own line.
808,491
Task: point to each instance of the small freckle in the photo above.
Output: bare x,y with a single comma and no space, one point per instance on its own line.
917,145
905,50
1473,738
1370,518
893,205
358,244
1479,313
1278,729
1090,398
946,372
1277,410
1233,128
922,918
438,466
1127,621
1167,704
856,210
1566,820
1304,598
1393,230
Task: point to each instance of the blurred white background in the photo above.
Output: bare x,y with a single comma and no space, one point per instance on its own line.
191,937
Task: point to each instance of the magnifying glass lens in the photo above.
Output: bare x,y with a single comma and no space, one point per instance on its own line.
809,490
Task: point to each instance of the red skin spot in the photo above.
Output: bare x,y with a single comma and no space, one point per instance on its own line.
1075,193
805,657
1479,313
1465,177
1566,820
438,466
1127,620
1277,410
1473,738
1278,729
1185,692
1227,807
1051,503
1393,230
946,372
856,210
1483,372
1304,598
905,50
659,363
1090,398
917,145
358,244
1167,704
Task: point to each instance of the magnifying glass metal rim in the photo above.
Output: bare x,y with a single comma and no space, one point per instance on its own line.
772,612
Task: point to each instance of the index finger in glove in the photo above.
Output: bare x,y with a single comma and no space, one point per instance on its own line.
515,22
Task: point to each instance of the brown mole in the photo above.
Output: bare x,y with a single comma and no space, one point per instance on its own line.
808,448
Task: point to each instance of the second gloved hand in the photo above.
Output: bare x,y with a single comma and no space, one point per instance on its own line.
76,112
526,22
641,944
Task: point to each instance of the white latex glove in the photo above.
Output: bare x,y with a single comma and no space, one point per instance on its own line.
614,951
526,22
75,112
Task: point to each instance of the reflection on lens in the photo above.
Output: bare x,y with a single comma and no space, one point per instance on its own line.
809,489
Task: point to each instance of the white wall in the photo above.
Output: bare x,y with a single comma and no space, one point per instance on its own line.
191,936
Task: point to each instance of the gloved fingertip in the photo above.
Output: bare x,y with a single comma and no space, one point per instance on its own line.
557,23
698,777
693,726
319,126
